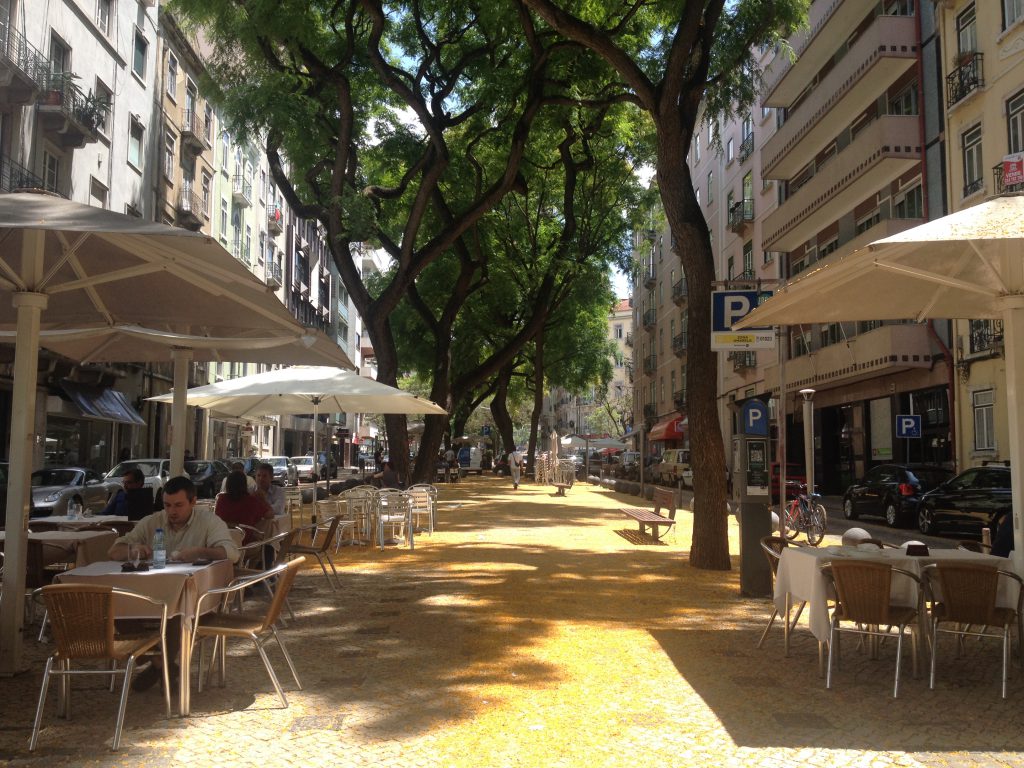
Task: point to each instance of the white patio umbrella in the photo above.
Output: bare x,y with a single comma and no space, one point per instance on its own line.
304,389
74,272
969,264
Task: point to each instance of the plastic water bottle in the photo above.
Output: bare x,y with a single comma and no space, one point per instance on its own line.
159,549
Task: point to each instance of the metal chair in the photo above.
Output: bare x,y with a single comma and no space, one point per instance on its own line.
394,512
424,503
964,595
82,624
772,547
258,627
863,590
319,551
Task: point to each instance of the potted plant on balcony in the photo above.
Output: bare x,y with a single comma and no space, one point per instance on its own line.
91,109
963,58
58,85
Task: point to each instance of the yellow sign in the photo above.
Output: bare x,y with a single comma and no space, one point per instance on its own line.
729,341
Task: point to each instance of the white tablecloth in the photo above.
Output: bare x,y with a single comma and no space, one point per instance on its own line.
88,546
79,522
800,576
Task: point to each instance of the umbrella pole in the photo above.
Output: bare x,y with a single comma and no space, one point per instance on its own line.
1013,334
179,430
26,359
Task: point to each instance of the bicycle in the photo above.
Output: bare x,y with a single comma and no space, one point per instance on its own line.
806,515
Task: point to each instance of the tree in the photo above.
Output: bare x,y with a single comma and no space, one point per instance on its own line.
672,59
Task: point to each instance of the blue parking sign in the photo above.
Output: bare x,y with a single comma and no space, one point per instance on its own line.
908,425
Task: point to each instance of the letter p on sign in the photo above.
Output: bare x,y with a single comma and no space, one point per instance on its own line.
736,308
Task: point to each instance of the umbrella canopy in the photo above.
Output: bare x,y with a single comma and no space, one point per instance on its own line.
575,441
304,389
969,264
70,271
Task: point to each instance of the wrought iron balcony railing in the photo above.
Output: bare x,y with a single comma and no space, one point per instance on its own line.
967,77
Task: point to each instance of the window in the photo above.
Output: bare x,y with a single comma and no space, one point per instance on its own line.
730,268
967,31
899,8
172,76
208,123
139,55
618,330
748,258
225,146
1015,121
748,190
696,149
904,102
248,241
729,151
169,155
909,204
97,193
747,127
766,112
51,172
103,16
697,191
866,223
263,185
136,134
711,181
105,96
1013,11
207,183
223,220
983,402
60,56
971,148
828,248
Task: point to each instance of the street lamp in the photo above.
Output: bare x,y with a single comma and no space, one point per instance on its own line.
808,395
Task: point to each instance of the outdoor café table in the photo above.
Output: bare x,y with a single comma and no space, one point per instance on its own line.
79,522
180,585
88,546
799,577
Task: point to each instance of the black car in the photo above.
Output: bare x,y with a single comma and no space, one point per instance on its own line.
975,498
207,475
892,491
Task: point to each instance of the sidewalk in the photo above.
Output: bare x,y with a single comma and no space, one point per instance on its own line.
529,631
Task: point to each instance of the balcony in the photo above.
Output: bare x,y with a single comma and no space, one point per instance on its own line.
275,219
679,399
746,147
813,47
190,209
22,69
650,413
650,364
274,275
14,177
743,361
886,350
241,190
240,251
629,339
680,292
966,78
648,319
884,149
193,132
985,336
679,344
880,55
366,346
70,118
741,214
998,186
650,276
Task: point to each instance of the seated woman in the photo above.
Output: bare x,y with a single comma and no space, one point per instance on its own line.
387,477
236,505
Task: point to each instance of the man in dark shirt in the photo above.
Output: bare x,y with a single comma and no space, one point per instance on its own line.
131,480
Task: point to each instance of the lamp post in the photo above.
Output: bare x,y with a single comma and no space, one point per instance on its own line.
808,395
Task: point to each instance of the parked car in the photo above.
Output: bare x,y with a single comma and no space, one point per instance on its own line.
284,470
892,491
469,460
304,468
674,467
54,487
207,475
154,471
976,498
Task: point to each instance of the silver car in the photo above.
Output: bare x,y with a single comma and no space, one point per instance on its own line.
54,487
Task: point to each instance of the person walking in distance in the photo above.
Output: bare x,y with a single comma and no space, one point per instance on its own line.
515,467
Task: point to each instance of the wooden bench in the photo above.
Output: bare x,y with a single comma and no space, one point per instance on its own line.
561,488
664,498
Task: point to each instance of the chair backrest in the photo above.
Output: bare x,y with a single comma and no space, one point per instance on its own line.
971,546
81,619
237,535
286,576
968,591
773,546
332,530
862,589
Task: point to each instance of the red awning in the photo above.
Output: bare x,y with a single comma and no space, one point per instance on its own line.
672,428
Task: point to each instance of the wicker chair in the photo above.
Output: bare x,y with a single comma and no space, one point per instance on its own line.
966,596
973,546
863,599
258,627
773,546
320,551
82,624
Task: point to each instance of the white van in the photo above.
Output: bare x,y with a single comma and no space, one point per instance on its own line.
675,467
469,460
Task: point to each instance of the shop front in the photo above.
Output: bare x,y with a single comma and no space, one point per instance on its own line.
91,427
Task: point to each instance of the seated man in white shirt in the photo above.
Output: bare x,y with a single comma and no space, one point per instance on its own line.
266,490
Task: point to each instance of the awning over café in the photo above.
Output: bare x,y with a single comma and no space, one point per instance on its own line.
101,403
672,428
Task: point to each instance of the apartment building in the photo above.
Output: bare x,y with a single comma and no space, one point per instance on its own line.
856,155
983,75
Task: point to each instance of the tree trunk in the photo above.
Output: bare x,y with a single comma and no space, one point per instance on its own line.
538,400
499,410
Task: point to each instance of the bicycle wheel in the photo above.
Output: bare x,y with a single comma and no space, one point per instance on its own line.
792,517
818,518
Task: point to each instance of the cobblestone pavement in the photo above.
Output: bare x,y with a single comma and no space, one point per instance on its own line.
532,630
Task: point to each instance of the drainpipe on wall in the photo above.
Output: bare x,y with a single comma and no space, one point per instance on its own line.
951,386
